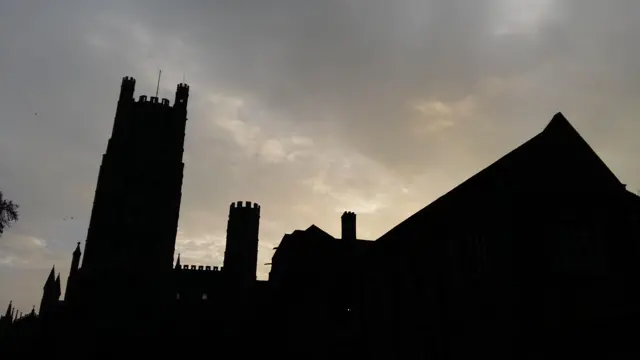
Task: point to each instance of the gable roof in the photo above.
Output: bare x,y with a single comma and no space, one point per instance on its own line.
316,231
558,136
559,130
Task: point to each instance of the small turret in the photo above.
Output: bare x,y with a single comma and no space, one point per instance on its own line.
127,89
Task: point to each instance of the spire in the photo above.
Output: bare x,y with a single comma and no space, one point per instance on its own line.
9,310
75,266
33,311
178,265
52,274
58,288
51,279
75,260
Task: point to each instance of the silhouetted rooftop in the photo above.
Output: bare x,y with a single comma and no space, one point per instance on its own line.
559,136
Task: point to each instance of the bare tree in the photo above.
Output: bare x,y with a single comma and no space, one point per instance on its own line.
8,213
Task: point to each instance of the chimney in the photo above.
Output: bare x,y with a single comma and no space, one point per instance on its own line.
348,226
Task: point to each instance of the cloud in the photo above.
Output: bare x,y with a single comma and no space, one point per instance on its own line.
307,107
21,250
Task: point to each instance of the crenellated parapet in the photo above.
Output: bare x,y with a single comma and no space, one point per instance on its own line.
199,268
127,89
246,207
144,99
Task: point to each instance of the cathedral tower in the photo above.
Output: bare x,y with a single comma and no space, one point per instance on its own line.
137,200
241,252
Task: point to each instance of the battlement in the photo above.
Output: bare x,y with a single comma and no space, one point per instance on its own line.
153,100
349,213
201,268
127,88
245,205
183,86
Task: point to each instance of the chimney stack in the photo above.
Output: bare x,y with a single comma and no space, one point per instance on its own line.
348,226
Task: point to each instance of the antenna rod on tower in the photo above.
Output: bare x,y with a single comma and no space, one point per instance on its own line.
158,86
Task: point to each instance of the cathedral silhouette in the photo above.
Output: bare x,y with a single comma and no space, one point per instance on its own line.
536,255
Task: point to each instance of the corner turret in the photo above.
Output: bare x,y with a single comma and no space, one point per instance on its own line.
182,95
125,100
127,88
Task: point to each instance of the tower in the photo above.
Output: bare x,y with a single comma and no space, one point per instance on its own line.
241,252
128,254
135,211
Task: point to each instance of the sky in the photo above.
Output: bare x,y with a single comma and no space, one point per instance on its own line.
309,108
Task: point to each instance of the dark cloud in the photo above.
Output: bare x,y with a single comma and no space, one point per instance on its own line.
360,63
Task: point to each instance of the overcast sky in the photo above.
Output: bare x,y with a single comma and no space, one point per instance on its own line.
309,108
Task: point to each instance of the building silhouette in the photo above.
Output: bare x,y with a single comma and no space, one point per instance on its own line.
534,255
